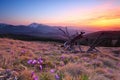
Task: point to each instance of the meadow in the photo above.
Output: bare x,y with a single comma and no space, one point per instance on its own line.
38,60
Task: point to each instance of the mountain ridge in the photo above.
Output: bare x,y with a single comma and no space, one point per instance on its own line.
38,31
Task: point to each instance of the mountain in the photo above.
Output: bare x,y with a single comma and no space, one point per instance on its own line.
36,31
33,30
35,25
12,29
43,28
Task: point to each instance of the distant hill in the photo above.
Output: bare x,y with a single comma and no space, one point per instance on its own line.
108,38
106,34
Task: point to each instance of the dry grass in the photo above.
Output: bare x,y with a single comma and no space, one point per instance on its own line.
14,55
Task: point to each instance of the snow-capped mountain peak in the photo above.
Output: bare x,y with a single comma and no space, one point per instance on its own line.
34,25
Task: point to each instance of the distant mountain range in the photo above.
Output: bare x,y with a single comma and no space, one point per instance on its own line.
37,31
32,30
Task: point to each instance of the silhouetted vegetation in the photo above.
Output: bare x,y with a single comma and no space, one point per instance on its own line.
29,38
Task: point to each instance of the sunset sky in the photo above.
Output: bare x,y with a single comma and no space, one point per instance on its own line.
97,14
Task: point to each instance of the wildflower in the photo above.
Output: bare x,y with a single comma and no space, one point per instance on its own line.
52,70
7,70
86,59
41,67
35,78
110,71
62,57
30,61
40,61
23,51
34,61
40,58
32,74
57,77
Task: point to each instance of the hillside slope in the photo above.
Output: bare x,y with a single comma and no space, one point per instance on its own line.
49,61
108,38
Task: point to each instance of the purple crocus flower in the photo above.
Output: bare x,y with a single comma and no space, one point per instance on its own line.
38,62
85,59
40,58
35,78
62,57
23,51
34,61
33,73
41,61
110,71
41,67
52,70
30,61
57,77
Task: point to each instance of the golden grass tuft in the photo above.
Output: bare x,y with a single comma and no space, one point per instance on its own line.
25,75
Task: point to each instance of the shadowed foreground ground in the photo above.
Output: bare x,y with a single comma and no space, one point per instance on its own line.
48,61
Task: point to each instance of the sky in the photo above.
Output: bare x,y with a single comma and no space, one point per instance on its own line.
90,14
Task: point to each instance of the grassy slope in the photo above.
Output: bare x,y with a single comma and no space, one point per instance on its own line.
14,55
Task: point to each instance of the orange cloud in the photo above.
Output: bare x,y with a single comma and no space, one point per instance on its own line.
104,16
108,19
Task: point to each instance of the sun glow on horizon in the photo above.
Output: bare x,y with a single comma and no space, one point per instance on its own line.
96,14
